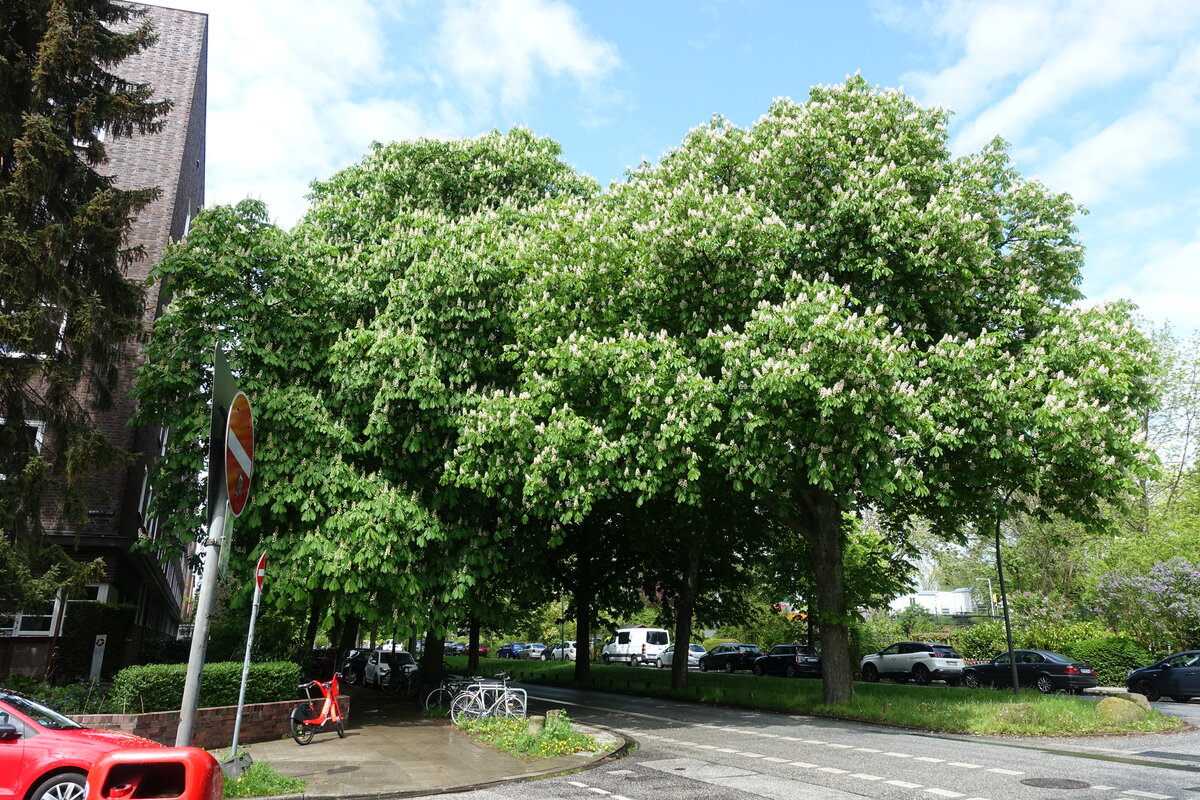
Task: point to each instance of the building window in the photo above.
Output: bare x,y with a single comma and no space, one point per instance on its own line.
17,447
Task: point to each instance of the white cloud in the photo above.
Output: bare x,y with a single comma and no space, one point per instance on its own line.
1117,157
1165,284
497,45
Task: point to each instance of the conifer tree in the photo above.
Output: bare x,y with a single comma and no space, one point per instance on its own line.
69,310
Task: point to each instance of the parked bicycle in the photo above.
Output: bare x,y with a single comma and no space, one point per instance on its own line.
450,687
306,720
489,698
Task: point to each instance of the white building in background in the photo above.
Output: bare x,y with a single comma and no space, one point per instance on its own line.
939,604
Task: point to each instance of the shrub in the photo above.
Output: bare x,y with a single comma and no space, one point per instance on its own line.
159,687
713,641
1111,656
85,620
983,640
1059,636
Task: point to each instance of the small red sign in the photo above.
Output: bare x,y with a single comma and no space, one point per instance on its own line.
239,452
261,570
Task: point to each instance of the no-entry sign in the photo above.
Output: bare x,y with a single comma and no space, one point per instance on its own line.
239,452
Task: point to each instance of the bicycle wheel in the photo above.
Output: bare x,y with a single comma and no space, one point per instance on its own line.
512,705
466,706
302,732
438,698
394,683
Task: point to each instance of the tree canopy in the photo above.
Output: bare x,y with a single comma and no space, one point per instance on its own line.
472,355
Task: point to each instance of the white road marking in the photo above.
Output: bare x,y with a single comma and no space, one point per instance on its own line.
1151,795
775,759
769,735
944,793
812,741
999,771
866,777
898,755
965,765
867,750
839,746
791,738
833,770
707,746
930,760
726,750
621,797
804,764
751,755
1103,788
904,784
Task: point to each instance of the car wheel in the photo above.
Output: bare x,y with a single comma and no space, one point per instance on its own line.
606,659
350,675
703,665
67,786
729,667
1180,698
658,663
758,670
1149,689
791,671
870,673
921,675
971,680
1044,684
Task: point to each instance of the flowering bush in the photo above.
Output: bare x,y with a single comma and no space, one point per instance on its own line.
511,735
1160,608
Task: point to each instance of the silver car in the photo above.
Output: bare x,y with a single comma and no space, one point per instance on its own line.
668,656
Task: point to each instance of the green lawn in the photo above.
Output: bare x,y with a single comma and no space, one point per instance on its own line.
936,708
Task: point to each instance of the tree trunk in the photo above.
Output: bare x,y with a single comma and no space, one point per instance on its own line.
583,616
685,606
826,537
314,621
349,634
473,647
431,659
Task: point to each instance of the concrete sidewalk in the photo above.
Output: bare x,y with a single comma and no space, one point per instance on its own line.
392,750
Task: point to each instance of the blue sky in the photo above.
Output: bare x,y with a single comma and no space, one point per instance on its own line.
1099,98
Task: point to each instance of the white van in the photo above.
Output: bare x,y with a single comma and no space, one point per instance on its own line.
636,645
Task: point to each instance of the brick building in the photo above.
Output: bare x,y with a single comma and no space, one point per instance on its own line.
173,160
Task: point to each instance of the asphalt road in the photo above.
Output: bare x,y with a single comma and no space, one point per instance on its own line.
690,751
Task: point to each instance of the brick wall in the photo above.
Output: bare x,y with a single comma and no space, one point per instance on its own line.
261,722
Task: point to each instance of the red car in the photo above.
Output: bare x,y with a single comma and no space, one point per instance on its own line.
46,756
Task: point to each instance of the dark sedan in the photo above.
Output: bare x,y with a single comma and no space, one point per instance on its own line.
1045,671
1176,676
730,657
792,660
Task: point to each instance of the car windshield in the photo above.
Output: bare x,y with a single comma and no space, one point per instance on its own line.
40,714
1058,658
697,648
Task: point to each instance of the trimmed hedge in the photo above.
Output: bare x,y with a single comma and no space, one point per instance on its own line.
1112,657
159,687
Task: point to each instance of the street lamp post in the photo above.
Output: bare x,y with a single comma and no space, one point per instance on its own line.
991,597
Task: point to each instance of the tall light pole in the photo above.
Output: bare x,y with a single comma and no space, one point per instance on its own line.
991,597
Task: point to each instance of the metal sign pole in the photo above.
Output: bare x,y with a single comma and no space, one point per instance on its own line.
237,721
204,604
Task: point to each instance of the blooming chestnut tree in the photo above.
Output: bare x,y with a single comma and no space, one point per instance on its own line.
824,313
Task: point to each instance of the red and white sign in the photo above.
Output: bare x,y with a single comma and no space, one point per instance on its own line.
239,452
261,570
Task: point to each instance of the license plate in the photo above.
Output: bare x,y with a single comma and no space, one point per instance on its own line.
1086,671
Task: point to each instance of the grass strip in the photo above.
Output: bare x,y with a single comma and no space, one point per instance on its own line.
261,780
557,738
937,708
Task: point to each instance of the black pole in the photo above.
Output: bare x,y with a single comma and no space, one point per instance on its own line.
1012,662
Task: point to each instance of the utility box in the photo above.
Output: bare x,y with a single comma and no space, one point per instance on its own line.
168,773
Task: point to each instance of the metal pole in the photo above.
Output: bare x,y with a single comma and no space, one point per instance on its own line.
1012,663
237,721
204,604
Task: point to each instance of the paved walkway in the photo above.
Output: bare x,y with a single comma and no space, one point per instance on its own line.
392,750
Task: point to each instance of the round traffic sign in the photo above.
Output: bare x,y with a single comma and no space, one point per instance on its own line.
239,452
